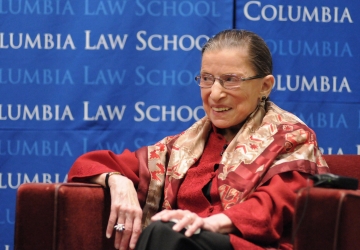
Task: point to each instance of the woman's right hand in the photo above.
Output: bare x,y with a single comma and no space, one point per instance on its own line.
125,209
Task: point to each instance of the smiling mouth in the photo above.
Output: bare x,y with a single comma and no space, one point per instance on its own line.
220,109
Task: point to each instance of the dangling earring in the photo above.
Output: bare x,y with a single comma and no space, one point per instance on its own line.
260,107
262,101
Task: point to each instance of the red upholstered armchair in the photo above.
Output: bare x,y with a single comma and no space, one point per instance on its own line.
74,215
329,218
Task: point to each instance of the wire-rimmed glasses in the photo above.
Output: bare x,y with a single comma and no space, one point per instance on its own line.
228,81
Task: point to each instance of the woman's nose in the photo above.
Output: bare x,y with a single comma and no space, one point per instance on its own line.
217,90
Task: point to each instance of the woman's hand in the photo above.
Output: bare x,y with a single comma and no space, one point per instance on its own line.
185,219
125,209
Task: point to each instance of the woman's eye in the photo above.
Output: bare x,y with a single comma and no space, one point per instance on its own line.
231,79
206,78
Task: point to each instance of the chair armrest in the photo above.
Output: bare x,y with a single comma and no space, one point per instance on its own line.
62,216
327,219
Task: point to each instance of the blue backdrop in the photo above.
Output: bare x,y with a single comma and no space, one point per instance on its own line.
77,76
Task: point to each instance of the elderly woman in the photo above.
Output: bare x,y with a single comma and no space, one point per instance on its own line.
227,182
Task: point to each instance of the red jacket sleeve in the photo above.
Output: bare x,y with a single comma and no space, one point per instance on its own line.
268,212
102,161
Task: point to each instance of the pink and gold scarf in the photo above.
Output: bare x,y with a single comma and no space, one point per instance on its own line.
269,143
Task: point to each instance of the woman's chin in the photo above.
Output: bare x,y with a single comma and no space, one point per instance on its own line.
220,124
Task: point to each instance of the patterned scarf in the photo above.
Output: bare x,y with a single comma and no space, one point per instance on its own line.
268,143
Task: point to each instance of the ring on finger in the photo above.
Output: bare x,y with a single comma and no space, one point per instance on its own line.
119,227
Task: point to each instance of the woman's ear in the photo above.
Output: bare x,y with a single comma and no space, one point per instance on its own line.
267,85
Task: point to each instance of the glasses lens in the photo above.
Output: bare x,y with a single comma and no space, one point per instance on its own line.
206,81
231,81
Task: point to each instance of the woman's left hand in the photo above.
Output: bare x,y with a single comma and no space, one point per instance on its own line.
185,219
182,218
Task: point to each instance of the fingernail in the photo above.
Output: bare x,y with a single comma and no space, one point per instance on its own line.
154,218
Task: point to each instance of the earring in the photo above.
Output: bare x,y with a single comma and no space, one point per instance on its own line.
260,107
262,101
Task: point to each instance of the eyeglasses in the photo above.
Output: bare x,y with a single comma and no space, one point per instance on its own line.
228,81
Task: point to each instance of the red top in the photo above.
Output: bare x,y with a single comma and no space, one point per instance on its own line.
264,219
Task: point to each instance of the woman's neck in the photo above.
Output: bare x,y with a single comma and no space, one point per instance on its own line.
229,133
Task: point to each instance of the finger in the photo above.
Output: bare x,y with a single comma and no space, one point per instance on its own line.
111,223
130,217
136,232
119,234
164,215
194,228
186,221
190,217
125,237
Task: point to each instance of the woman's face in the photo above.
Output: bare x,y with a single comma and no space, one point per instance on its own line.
228,109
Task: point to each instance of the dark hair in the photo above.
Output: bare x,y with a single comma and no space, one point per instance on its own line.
259,53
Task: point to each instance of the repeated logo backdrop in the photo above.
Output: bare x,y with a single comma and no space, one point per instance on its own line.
77,76
315,45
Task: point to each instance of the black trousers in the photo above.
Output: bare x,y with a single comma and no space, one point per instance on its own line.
160,236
